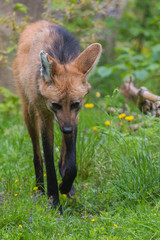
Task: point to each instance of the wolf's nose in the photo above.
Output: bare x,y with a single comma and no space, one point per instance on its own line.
67,129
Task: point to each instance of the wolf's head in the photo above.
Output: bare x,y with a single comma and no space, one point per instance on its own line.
64,86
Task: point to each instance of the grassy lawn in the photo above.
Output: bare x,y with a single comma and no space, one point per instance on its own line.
117,187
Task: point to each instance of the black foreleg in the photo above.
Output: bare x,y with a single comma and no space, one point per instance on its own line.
67,163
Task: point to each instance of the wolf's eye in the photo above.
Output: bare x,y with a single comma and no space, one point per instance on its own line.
56,106
75,105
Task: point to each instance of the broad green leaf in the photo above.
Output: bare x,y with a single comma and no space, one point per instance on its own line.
141,74
138,58
123,57
120,67
156,48
21,7
153,67
104,71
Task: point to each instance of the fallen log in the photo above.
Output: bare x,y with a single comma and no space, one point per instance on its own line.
147,101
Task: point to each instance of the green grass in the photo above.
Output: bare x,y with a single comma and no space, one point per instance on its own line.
117,187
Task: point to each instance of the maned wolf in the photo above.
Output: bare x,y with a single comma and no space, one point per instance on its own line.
50,76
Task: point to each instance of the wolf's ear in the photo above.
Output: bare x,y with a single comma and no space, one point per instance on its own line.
88,58
48,66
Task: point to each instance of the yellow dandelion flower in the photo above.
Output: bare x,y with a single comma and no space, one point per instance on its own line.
115,225
107,123
44,174
92,220
35,188
98,94
59,181
64,195
20,226
155,214
89,105
16,194
16,181
95,128
122,115
129,118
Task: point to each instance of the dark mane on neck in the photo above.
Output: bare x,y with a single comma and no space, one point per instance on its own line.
64,47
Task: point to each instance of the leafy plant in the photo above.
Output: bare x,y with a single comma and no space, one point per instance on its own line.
21,7
10,103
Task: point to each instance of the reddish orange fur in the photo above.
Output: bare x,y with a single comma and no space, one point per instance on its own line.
69,85
69,80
